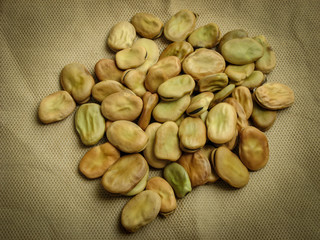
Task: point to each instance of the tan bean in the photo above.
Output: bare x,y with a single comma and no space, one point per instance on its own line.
274,96
140,210
140,185
237,33
163,70
121,36
229,168
268,61
103,89
243,96
148,152
56,107
237,74
166,193
98,159
222,94
76,80
121,106
213,83
199,104
131,57
106,69
192,134
253,148
179,49
166,143
153,53
121,179
180,25
242,120
207,151
197,166
207,36
203,62
147,25
134,80
255,79
176,87
240,51
149,102
221,123
127,136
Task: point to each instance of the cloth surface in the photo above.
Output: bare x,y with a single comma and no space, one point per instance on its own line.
43,196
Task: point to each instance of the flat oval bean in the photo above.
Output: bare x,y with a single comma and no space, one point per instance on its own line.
140,210
180,25
89,123
171,111
56,107
121,179
153,53
176,87
237,33
166,143
134,80
207,36
106,69
179,49
199,104
147,25
127,136
229,168
121,106
131,57
213,83
203,62
274,96
262,118
192,134
240,51
121,36
103,89
98,159
268,61
76,80
253,148
243,96
221,123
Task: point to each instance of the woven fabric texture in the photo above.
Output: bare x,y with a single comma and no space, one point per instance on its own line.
42,194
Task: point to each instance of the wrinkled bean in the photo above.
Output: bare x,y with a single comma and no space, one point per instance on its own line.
98,159
253,148
56,107
76,80
90,123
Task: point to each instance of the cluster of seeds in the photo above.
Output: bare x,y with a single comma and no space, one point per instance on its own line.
198,111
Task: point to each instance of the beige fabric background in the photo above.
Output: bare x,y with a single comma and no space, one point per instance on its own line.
44,197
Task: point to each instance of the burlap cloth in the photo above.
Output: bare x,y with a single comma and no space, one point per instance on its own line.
43,196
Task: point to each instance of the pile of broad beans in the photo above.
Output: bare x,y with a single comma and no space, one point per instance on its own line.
198,110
